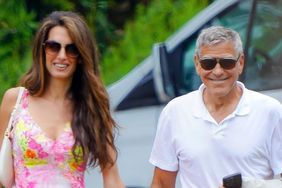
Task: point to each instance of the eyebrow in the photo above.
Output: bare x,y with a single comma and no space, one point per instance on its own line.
211,57
59,42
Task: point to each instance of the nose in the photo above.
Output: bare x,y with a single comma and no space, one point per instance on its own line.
218,70
62,53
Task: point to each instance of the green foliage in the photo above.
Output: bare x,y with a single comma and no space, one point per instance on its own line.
103,29
16,29
94,11
152,24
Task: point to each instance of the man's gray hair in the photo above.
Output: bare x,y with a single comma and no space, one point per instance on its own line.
218,34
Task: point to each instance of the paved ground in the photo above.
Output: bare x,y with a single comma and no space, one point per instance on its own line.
135,141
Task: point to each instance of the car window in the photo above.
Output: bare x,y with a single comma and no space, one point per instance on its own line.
264,64
189,79
143,94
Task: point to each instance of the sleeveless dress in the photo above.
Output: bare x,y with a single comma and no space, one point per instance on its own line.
40,161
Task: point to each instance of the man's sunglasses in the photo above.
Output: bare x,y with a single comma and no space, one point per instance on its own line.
210,62
53,48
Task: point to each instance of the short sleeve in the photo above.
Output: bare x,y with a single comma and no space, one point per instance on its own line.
163,154
276,146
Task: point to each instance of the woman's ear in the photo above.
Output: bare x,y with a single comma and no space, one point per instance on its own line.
80,61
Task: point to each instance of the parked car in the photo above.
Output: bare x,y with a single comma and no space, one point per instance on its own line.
138,98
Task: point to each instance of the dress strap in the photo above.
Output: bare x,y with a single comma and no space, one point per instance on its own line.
10,127
24,100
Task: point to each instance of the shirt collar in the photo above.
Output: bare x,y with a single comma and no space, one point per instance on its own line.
199,108
243,108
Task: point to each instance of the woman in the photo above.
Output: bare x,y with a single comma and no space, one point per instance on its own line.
63,123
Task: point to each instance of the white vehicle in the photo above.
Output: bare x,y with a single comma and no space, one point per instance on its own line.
138,98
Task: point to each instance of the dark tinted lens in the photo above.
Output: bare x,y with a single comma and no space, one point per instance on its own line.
227,63
208,64
52,47
71,50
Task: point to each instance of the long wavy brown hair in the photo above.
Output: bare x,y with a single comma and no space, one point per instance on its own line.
92,124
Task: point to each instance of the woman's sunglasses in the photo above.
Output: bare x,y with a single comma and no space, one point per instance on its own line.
53,48
210,62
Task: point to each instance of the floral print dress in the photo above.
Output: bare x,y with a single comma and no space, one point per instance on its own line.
40,161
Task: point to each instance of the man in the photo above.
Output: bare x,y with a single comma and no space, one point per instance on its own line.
220,129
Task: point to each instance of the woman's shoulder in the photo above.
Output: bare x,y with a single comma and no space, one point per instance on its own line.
12,93
10,98
7,105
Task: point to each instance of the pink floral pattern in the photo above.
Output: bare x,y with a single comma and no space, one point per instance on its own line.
40,161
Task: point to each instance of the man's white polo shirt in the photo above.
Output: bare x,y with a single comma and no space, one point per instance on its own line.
190,141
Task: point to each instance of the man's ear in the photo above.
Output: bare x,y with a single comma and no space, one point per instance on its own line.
196,63
241,63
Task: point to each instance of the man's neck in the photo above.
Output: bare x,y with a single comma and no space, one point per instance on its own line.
221,107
